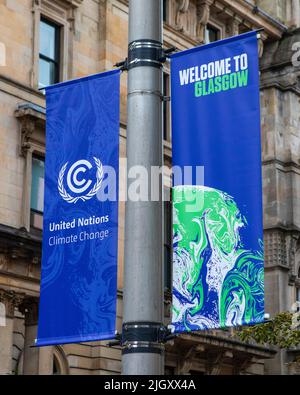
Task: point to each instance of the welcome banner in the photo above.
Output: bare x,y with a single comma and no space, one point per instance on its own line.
218,266
80,229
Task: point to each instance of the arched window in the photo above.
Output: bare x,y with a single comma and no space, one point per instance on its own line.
56,366
60,364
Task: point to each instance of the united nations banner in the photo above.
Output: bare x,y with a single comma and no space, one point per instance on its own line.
80,228
218,271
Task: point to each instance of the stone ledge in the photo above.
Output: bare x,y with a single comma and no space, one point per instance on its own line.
70,3
20,239
209,340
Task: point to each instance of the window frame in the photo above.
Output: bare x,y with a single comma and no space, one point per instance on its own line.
215,24
57,52
213,28
39,157
36,230
59,357
59,15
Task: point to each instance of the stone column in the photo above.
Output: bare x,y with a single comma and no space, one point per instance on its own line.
7,300
37,360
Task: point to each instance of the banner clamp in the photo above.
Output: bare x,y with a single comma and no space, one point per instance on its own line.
145,53
146,337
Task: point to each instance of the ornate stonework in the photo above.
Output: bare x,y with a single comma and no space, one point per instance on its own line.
203,14
11,300
275,248
182,8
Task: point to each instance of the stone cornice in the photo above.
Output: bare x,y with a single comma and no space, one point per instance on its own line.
281,87
68,3
220,341
276,65
244,11
248,11
287,167
19,90
280,54
282,228
74,3
32,118
12,239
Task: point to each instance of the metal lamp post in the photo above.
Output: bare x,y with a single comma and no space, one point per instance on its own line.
143,285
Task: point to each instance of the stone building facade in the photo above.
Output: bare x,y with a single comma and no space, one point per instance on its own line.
90,36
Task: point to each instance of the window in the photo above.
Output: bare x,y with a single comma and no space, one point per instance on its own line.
49,53
56,367
167,245
165,10
53,25
211,34
37,192
166,107
59,364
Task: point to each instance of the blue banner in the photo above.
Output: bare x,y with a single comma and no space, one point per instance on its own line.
218,263
80,227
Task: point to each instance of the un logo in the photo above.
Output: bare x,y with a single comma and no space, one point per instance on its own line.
77,186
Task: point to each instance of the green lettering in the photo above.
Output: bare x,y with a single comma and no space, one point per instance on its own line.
233,81
204,92
211,86
218,84
242,78
225,82
198,89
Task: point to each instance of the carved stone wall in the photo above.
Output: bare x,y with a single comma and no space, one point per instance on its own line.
288,11
280,107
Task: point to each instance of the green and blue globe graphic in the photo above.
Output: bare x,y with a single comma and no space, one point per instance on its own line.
217,281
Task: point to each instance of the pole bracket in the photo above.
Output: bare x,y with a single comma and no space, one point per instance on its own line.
142,337
145,53
122,65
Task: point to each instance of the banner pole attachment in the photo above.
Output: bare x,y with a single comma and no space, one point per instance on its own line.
142,347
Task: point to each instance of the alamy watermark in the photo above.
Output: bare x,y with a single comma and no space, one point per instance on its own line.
86,179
